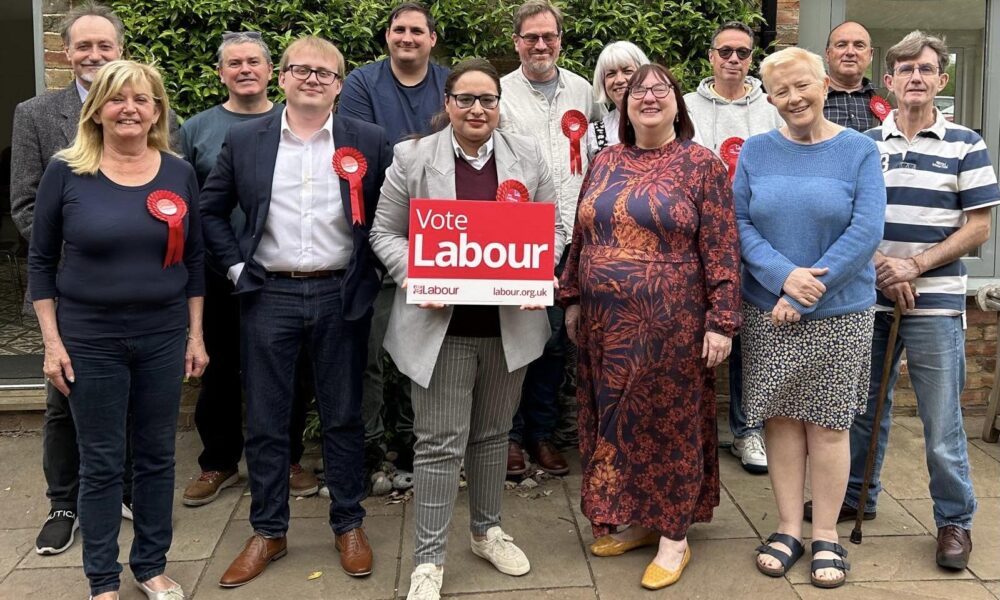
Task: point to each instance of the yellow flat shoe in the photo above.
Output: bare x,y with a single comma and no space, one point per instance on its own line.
657,577
609,546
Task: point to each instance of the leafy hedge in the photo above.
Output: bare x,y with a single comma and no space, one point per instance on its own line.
181,36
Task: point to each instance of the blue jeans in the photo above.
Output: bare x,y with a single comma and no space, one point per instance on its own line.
737,416
279,321
935,359
114,376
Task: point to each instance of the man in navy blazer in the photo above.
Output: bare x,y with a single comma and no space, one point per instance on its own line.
306,279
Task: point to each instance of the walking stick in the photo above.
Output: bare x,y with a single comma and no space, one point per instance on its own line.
883,391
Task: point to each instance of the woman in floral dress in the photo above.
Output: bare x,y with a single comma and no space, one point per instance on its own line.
652,294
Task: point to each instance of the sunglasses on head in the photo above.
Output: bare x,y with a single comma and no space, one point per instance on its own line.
228,35
725,52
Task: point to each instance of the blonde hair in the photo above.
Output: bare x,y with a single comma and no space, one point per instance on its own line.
789,56
84,155
318,45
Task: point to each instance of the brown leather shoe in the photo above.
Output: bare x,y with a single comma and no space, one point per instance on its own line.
548,458
355,553
301,482
847,513
954,545
515,460
258,552
208,486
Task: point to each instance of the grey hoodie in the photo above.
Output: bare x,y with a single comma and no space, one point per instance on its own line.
718,119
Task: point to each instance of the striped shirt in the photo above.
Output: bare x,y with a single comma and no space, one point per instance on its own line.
930,183
852,109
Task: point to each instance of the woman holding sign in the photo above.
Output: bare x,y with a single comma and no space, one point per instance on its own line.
652,295
467,363
810,203
122,211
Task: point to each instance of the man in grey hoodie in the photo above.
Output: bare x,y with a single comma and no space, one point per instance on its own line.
732,104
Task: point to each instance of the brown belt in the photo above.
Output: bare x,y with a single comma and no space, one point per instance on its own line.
307,274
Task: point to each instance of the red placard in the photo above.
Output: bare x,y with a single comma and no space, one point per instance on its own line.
473,252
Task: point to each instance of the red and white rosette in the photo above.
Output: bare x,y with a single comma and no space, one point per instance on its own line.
574,126
880,107
351,165
512,190
729,151
170,208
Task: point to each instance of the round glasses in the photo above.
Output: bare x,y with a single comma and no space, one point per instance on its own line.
302,73
659,91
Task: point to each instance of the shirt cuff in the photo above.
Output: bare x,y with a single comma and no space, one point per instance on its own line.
235,271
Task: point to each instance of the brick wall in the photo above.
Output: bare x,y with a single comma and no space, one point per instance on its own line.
787,27
57,70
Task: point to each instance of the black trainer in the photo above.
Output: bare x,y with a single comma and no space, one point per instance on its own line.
57,533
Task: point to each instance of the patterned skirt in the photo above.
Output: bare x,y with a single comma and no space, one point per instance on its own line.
814,370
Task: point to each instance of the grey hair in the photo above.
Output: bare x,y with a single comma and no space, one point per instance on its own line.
92,9
912,46
243,37
615,55
789,56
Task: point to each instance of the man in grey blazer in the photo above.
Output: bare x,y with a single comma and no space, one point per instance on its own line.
92,35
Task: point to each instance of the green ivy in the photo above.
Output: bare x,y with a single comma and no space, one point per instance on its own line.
181,36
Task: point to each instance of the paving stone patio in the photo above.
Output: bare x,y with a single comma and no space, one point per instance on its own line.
896,560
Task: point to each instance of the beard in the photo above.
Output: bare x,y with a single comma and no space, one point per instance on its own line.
540,64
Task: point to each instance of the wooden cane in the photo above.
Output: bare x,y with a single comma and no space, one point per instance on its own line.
883,391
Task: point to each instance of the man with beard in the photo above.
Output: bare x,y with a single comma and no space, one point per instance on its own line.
849,102
536,98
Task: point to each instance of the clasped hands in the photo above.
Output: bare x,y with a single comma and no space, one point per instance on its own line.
893,277
803,286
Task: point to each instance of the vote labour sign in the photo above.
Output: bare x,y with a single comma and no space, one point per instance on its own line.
481,252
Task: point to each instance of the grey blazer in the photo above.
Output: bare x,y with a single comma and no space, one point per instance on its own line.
44,125
425,168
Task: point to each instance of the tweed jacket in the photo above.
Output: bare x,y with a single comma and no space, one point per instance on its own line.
425,168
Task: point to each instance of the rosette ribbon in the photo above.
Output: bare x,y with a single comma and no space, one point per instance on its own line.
574,126
351,165
170,208
729,151
880,107
512,190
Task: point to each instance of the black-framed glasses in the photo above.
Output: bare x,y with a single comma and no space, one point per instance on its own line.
487,101
231,35
926,70
725,52
532,39
659,90
302,73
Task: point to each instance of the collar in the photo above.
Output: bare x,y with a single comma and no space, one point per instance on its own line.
84,92
484,151
937,129
327,126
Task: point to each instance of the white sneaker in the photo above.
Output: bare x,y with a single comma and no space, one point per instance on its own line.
498,548
174,593
751,452
425,582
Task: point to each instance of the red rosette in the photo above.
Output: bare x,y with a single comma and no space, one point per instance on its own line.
512,190
170,208
574,126
351,165
729,151
880,107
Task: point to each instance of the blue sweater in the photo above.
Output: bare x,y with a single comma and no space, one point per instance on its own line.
111,282
816,205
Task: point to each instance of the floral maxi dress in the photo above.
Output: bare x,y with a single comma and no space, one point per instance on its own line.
654,262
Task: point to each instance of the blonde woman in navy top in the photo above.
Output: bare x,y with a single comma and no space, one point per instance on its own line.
121,315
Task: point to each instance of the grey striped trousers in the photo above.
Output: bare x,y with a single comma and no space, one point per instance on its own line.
466,410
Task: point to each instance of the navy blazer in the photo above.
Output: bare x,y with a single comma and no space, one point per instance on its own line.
244,173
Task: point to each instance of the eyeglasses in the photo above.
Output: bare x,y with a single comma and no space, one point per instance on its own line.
302,73
532,39
725,52
926,70
660,91
231,35
487,101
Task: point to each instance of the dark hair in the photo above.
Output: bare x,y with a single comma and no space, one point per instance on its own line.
92,9
440,120
537,7
830,35
733,26
415,7
683,126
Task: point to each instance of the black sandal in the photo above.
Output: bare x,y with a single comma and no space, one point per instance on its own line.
828,563
786,560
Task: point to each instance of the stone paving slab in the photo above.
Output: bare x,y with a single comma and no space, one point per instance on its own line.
905,476
906,590
70,583
15,544
984,561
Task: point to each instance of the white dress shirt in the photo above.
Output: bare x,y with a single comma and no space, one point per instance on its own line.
306,228
479,161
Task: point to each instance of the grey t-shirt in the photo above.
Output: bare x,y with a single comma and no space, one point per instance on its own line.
548,88
202,136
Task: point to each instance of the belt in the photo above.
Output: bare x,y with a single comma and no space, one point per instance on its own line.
307,274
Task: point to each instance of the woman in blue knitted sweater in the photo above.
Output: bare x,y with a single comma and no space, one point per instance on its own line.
810,205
